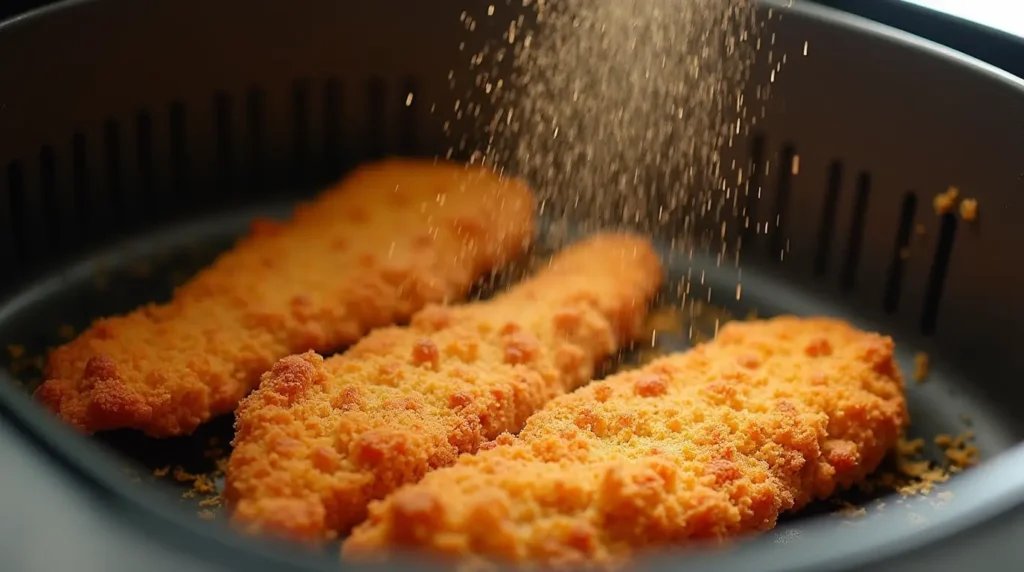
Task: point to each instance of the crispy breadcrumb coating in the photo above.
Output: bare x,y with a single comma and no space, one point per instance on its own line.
707,444
322,438
389,239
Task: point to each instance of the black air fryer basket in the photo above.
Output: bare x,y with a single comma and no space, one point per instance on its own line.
137,139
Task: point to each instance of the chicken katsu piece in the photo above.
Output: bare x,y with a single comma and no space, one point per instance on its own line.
322,438
370,251
703,445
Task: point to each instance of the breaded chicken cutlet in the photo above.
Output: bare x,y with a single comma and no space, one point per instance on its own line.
708,444
322,438
377,247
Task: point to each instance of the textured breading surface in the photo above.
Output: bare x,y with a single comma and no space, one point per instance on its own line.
322,438
706,444
372,250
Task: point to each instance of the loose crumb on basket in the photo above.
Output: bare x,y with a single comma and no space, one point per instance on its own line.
850,510
920,366
969,210
206,514
960,453
212,501
914,475
945,203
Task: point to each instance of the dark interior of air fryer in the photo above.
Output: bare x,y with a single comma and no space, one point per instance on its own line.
125,175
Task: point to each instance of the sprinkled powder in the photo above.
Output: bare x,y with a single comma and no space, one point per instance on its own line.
618,112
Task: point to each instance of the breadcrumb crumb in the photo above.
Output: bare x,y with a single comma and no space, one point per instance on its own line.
920,366
969,210
945,203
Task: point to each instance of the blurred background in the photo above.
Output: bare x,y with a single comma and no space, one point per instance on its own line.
990,30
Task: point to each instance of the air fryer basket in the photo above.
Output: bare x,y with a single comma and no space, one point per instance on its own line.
144,135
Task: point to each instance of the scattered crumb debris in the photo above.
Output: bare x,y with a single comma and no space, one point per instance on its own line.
181,475
958,450
920,366
212,501
949,201
162,471
850,510
969,210
910,448
945,203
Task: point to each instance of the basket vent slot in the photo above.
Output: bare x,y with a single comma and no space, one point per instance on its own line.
48,190
179,158
377,94
16,186
225,143
938,273
333,106
777,239
826,232
255,107
407,129
81,201
144,151
851,261
300,131
894,281
112,165
750,226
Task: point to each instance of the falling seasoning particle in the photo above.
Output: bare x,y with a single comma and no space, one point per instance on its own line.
920,366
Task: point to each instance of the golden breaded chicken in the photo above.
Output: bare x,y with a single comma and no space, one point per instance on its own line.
706,444
368,252
322,438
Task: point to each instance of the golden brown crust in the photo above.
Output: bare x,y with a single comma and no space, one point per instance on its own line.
321,438
389,239
709,444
